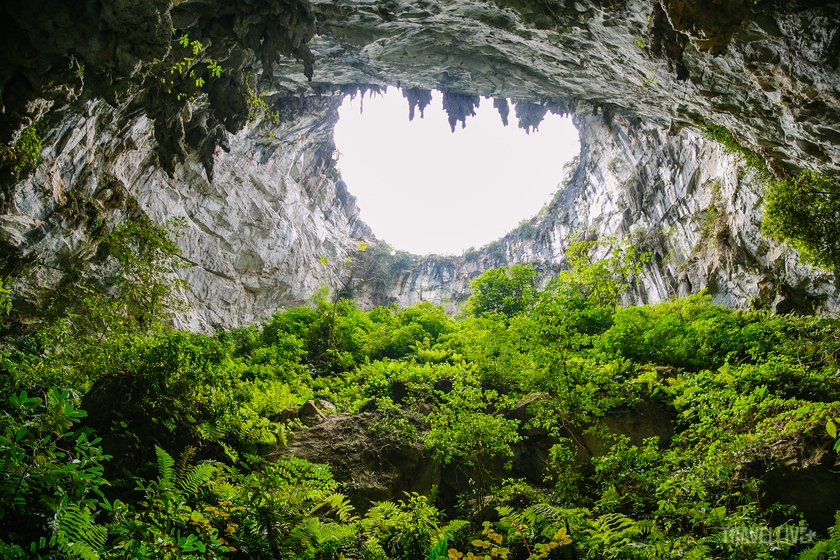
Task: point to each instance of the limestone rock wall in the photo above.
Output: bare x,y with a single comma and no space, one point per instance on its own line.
767,71
255,235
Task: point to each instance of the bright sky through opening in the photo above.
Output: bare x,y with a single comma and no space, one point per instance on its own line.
424,189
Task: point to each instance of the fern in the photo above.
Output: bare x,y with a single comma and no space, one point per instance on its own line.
225,490
613,532
209,432
452,528
313,535
230,452
77,535
166,467
198,476
184,461
824,550
544,518
339,504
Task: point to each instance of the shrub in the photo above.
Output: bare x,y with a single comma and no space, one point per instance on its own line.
505,290
805,212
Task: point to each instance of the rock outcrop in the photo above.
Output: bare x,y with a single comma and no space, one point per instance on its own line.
378,464
374,466
261,216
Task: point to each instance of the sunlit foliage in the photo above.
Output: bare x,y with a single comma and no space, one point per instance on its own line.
121,437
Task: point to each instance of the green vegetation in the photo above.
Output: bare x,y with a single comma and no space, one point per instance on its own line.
26,153
123,438
733,147
805,212
376,266
503,290
185,77
802,211
495,250
526,229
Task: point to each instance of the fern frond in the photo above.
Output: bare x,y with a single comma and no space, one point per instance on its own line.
452,528
225,490
77,535
331,535
382,509
184,461
574,517
834,532
166,466
339,505
230,452
373,550
261,435
197,477
209,433
305,533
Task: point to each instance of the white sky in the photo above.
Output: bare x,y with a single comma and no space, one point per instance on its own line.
424,189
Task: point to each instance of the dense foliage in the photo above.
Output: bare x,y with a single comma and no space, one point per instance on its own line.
122,438
805,212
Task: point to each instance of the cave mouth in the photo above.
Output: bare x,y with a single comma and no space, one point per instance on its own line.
429,185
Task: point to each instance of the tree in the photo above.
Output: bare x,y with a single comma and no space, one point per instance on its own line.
805,213
463,431
600,281
505,290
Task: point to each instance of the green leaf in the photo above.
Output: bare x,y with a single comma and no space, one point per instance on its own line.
831,428
438,552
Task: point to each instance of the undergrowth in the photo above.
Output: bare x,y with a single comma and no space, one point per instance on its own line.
121,437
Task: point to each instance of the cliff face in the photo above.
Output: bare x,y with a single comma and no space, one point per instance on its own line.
254,235
676,196
133,116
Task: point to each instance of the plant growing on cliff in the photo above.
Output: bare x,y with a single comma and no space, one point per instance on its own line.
495,250
138,289
26,153
805,212
601,269
184,77
732,146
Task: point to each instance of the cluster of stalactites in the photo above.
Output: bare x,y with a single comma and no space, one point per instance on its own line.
458,107
361,90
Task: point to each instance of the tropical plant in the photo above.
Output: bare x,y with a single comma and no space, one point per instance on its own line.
505,290
805,212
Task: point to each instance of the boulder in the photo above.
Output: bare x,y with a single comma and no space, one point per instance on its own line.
374,465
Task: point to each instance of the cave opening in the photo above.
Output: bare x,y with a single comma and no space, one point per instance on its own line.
432,185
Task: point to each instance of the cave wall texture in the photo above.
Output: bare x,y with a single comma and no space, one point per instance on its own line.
127,131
